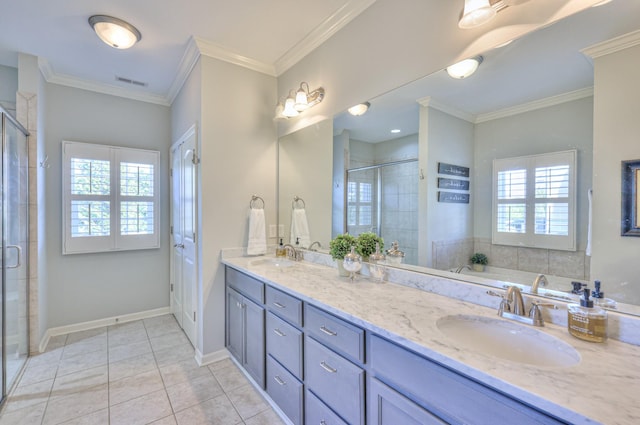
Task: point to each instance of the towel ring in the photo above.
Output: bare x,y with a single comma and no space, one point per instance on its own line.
297,199
255,198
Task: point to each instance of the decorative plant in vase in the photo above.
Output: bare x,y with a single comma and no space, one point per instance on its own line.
366,244
339,247
478,261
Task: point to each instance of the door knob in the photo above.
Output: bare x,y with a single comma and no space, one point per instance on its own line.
178,245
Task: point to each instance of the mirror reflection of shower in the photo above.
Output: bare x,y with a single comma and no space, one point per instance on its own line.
382,199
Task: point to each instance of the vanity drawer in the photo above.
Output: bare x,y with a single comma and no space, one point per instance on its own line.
285,390
246,285
443,392
334,332
284,305
284,342
335,380
317,413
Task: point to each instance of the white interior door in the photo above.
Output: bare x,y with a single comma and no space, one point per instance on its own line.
184,221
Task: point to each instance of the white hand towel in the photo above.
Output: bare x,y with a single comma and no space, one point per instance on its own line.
257,244
300,228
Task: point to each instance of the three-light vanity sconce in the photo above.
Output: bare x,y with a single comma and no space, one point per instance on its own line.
299,101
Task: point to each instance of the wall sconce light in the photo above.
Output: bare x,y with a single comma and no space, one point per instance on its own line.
299,101
464,68
115,32
359,109
476,13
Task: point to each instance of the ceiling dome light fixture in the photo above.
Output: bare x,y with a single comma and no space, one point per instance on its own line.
115,32
465,68
476,13
359,109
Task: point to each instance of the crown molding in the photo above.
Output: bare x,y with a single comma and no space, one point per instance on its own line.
212,50
536,104
188,61
321,33
70,81
614,45
450,110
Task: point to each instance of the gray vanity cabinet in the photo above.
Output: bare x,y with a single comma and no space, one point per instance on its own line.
331,346
245,323
402,381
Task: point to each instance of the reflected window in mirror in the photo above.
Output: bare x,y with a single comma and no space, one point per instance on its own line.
534,201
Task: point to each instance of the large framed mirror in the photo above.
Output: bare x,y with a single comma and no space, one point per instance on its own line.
533,96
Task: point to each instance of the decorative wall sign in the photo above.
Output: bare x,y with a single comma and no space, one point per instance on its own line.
452,197
630,198
453,184
453,170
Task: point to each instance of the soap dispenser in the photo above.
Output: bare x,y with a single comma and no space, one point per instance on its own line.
280,250
376,265
586,321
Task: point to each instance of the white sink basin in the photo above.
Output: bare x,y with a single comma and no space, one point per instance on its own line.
280,263
508,340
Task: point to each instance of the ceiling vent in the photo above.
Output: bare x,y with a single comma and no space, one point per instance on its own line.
130,81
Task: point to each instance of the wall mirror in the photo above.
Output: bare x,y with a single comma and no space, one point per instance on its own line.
532,96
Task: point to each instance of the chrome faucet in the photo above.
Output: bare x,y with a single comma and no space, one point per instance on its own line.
459,269
292,253
512,307
540,280
313,244
514,301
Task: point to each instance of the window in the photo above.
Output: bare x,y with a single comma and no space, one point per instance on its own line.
359,197
110,198
534,201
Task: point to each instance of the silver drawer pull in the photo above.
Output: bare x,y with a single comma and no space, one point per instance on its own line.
328,331
279,332
279,380
277,304
327,367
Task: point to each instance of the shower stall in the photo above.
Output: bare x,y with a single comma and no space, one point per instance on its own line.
14,228
383,199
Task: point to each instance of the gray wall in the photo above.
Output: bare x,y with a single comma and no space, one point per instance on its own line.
556,128
8,86
616,129
86,287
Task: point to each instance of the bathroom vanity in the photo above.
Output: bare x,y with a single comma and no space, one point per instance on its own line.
335,352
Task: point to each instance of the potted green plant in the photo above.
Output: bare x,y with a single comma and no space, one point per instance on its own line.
478,261
366,244
339,247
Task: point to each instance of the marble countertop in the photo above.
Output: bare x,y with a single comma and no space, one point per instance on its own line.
602,388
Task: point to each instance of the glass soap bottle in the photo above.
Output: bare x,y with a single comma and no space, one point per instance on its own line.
586,321
352,263
376,265
281,250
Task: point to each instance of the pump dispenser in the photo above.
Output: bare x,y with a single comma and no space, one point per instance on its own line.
280,250
586,321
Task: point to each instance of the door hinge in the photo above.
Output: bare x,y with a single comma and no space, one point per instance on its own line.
194,159
171,230
170,172
194,316
172,287
194,237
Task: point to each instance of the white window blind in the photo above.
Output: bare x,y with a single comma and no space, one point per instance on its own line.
110,198
534,201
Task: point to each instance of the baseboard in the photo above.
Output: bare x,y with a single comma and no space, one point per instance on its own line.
109,321
211,357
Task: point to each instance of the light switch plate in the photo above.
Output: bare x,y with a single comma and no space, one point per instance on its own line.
281,230
272,230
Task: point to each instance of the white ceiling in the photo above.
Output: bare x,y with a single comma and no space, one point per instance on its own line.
543,64
271,35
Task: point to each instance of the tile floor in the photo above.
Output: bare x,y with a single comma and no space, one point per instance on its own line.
140,372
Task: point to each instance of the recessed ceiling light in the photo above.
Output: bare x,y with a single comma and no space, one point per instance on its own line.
396,130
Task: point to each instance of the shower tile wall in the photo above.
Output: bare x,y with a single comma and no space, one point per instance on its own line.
400,208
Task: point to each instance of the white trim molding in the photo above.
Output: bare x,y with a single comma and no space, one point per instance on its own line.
93,324
216,356
431,102
614,45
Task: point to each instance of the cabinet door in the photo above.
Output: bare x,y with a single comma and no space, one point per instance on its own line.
235,324
254,353
387,407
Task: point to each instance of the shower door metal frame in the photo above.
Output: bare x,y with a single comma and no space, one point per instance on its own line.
8,118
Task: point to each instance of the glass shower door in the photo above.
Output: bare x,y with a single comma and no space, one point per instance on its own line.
15,234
